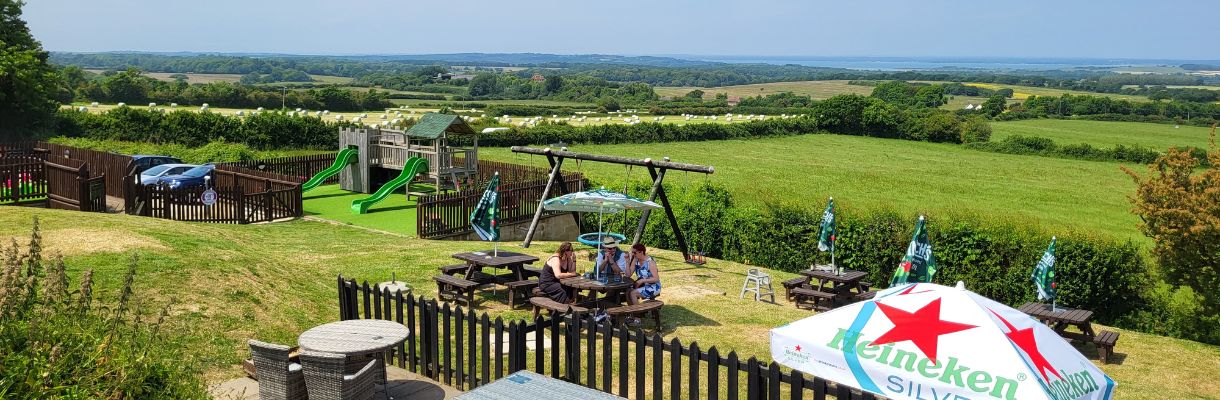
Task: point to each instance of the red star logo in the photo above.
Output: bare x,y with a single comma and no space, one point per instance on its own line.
922,327
798,348
1024,339
909,290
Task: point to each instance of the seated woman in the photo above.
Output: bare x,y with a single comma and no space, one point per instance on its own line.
562,265
648,280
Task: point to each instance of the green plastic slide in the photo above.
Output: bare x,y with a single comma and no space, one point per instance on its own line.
414,166
345,157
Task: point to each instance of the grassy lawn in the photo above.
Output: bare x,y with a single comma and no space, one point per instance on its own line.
911,177
815,89
230,283
1104,134
394,214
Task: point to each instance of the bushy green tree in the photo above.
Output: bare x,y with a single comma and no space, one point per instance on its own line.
994,105
29,84
484,85
1179,207
894,92
694,94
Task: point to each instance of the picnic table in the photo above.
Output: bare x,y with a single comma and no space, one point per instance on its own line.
1061,318
613,288
840,285
476,260
528,385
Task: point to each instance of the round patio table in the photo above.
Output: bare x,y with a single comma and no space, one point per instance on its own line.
354,337
610,288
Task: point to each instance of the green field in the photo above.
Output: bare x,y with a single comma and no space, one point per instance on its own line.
1023,92
912,177
1105,134
231,283
815,89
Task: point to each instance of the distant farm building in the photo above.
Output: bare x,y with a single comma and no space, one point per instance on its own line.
538,78
733,100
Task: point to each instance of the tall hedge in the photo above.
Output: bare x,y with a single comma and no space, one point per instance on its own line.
994,259
267,130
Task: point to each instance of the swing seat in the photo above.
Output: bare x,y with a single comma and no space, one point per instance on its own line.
590,239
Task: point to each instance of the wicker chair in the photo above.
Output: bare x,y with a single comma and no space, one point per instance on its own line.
326,380
278,378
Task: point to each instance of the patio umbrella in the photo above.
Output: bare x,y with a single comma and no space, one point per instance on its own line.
600,201
924,341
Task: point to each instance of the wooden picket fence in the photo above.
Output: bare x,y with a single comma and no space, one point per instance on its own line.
466,350
100,163
448,214
234,204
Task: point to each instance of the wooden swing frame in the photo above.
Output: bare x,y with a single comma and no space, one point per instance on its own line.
656,169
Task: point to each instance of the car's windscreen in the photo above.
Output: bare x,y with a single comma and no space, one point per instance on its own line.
154,171
198,171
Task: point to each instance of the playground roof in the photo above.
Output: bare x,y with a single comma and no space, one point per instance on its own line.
433,125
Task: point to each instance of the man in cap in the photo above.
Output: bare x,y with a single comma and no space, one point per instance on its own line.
611,259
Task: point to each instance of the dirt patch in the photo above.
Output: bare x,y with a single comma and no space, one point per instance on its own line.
687,292
78,241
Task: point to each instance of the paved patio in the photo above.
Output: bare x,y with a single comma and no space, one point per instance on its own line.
402,385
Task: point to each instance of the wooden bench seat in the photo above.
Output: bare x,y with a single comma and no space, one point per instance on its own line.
620,313
545,303
454,270
814,299
457,289
520,289
864,296
793,284
529,271
1105,342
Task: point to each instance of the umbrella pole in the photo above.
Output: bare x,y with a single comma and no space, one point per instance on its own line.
832,258
597,268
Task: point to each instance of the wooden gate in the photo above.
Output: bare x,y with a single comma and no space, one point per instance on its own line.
69,186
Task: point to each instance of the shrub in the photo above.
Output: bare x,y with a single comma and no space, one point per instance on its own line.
993,258
976,130
215,152
56,343
267,130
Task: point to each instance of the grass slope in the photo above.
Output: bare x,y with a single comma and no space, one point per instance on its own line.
272,281
1104,134
912,177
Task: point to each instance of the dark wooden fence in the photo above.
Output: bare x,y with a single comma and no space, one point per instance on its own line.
243,196
22,179
71,187
466,350
100,163
298,168
448,214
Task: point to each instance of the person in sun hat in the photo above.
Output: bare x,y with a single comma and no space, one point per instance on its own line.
610,259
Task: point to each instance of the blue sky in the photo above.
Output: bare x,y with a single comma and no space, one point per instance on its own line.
1170,29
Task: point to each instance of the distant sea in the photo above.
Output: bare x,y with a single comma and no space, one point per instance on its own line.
948,63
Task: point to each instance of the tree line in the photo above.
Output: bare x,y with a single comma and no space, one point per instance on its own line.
133,87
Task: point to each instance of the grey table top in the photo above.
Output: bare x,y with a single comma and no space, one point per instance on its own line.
527,385
353,337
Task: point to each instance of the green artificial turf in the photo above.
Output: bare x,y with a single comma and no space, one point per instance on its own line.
394,214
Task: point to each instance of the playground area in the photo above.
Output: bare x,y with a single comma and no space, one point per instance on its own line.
396,213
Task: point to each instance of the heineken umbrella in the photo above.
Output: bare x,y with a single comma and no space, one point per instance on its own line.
484,220
927,341
600,201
